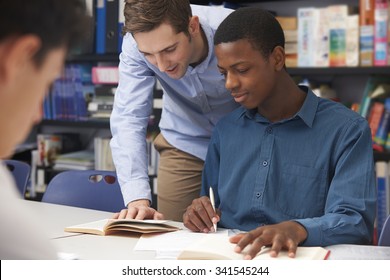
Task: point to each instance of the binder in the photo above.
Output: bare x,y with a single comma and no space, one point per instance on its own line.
100,43
121,23
111,37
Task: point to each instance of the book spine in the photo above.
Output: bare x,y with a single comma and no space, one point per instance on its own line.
381,32
352,41
383,128
337,35
121,22
382,177
322,38
376,113
105,75
367,21
111,37
100,43
306,18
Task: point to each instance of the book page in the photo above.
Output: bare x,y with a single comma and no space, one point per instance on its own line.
108,226
96,227
214,247
170,245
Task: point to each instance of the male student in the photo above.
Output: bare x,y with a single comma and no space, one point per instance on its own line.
34,38
289,167
167,41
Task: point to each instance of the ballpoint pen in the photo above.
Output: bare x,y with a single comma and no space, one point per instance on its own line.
212,199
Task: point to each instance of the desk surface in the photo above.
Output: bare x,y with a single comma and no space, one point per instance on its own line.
57,217
86,246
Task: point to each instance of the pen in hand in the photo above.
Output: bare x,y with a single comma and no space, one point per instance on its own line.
212,200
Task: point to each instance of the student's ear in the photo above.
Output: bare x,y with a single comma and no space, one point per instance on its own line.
194,26
16,54
279,58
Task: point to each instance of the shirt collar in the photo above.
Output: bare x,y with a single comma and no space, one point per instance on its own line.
209,33
306,113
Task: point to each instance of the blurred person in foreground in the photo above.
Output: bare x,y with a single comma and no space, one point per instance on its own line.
35,36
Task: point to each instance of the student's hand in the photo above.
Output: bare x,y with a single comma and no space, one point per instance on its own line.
200,215
139,210
285,235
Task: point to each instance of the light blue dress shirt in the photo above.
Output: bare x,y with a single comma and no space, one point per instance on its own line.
315,168
192,106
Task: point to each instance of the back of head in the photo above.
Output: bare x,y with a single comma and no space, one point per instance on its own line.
146,15
58,23
256,25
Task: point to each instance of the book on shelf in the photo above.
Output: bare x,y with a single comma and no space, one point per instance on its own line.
366,32
103,155
67,97
117,226
80,160
287,23
383,190
381,16
102,102
105,75
290,30
338,15
375,116
217,247
352,41
382,131
307,18
321,37
370,93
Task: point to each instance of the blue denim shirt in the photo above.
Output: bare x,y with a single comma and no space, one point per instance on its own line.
315,168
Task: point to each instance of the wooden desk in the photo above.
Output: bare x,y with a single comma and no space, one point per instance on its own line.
86,246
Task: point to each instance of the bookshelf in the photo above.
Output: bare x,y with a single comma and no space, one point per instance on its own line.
349,82
341,71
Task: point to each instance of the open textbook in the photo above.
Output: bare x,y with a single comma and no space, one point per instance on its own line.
217,247
112,226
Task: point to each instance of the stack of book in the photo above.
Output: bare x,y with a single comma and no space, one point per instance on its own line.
102,102
290,29
80,160
103,155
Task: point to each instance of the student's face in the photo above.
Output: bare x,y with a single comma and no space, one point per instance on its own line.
249,77
22,90
169,51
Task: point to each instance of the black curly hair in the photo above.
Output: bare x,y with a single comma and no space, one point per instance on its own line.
254,24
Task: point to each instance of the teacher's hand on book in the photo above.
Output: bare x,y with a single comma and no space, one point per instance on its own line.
139,210
286,235
200,215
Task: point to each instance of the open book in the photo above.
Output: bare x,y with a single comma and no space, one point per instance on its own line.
217,247
112,226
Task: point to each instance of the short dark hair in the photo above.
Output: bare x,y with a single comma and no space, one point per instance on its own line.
146,15
58,23
254,24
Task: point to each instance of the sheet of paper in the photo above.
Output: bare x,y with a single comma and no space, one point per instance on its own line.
169,245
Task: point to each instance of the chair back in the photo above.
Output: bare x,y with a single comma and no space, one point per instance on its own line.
92,189
384,237
21,173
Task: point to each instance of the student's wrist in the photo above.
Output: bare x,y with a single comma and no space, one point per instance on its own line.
301,232
139,202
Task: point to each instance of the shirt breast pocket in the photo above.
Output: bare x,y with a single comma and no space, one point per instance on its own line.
302,191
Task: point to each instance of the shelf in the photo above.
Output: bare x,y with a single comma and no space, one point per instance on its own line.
91,123
93,58
339,71
381,156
